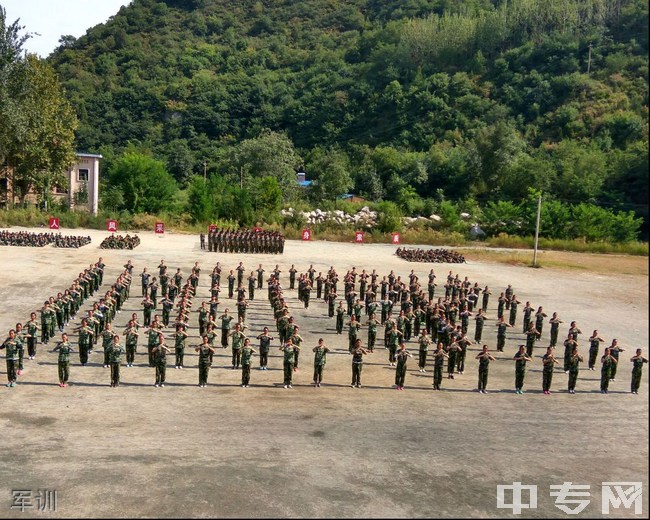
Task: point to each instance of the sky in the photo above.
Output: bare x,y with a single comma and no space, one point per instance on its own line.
53,18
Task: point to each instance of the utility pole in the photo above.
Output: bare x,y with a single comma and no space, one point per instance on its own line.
539,214
205,170
589,59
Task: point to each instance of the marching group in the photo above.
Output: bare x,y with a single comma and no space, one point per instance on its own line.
404,308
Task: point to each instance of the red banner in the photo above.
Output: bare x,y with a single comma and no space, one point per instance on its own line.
257,229
212,228
54,223
111,225
306,234
358,237
160,227
396,238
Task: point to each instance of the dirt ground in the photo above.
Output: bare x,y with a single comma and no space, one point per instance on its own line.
334,451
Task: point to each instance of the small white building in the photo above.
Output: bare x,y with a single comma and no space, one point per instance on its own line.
83,183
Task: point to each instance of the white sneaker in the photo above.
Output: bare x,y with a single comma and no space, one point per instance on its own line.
285,386
290,386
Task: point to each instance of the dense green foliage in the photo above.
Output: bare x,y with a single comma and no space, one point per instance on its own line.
37,123
419,101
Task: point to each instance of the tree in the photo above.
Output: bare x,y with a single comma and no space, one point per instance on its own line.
39,124
331,171
271,154
145,183
199,201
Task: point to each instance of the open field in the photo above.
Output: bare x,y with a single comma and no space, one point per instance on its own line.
333,451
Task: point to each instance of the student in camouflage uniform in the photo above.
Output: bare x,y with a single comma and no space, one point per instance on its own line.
11,357
574,368
32,339
372,323
179,346
484,358
65,349
439,357
205,361
340,317
115,358
289,350
594,344
555,328
357,363
608,361
402,356
246,354
637,370
520,359
423,343
238,340
107,342
320,358
502,326
160,359
85,341
615,350
225,318
131,334
548,365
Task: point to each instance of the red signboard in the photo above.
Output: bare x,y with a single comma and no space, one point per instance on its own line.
111,225
306,234
160,227
396,238
257,229
54,223
358,237
212,228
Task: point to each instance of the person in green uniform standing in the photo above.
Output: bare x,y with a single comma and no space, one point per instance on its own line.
246,359
637,369
353,332
21,339
131,334
394,339
514,302
65,349
555,328
115,358
548,365
594,344
569,344
439,357
205,361
160,352
296,340
357,363
225,318
107,341
484,357
402,356
11,357
265,344
502,326
320,358
615,349
179,345
32,330
372,323
340,317
539,321
531,337
238,338
520,359
608,361
574,368
480,321
289,350
85,341
424,340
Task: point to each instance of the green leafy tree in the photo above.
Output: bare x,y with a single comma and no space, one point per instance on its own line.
331,170
146,184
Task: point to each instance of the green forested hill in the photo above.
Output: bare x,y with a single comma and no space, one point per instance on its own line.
477,98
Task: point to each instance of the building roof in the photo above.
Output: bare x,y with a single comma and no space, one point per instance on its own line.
91,155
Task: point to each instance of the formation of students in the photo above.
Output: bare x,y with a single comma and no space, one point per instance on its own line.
243,241
439,255
120,242
438,326
28,239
